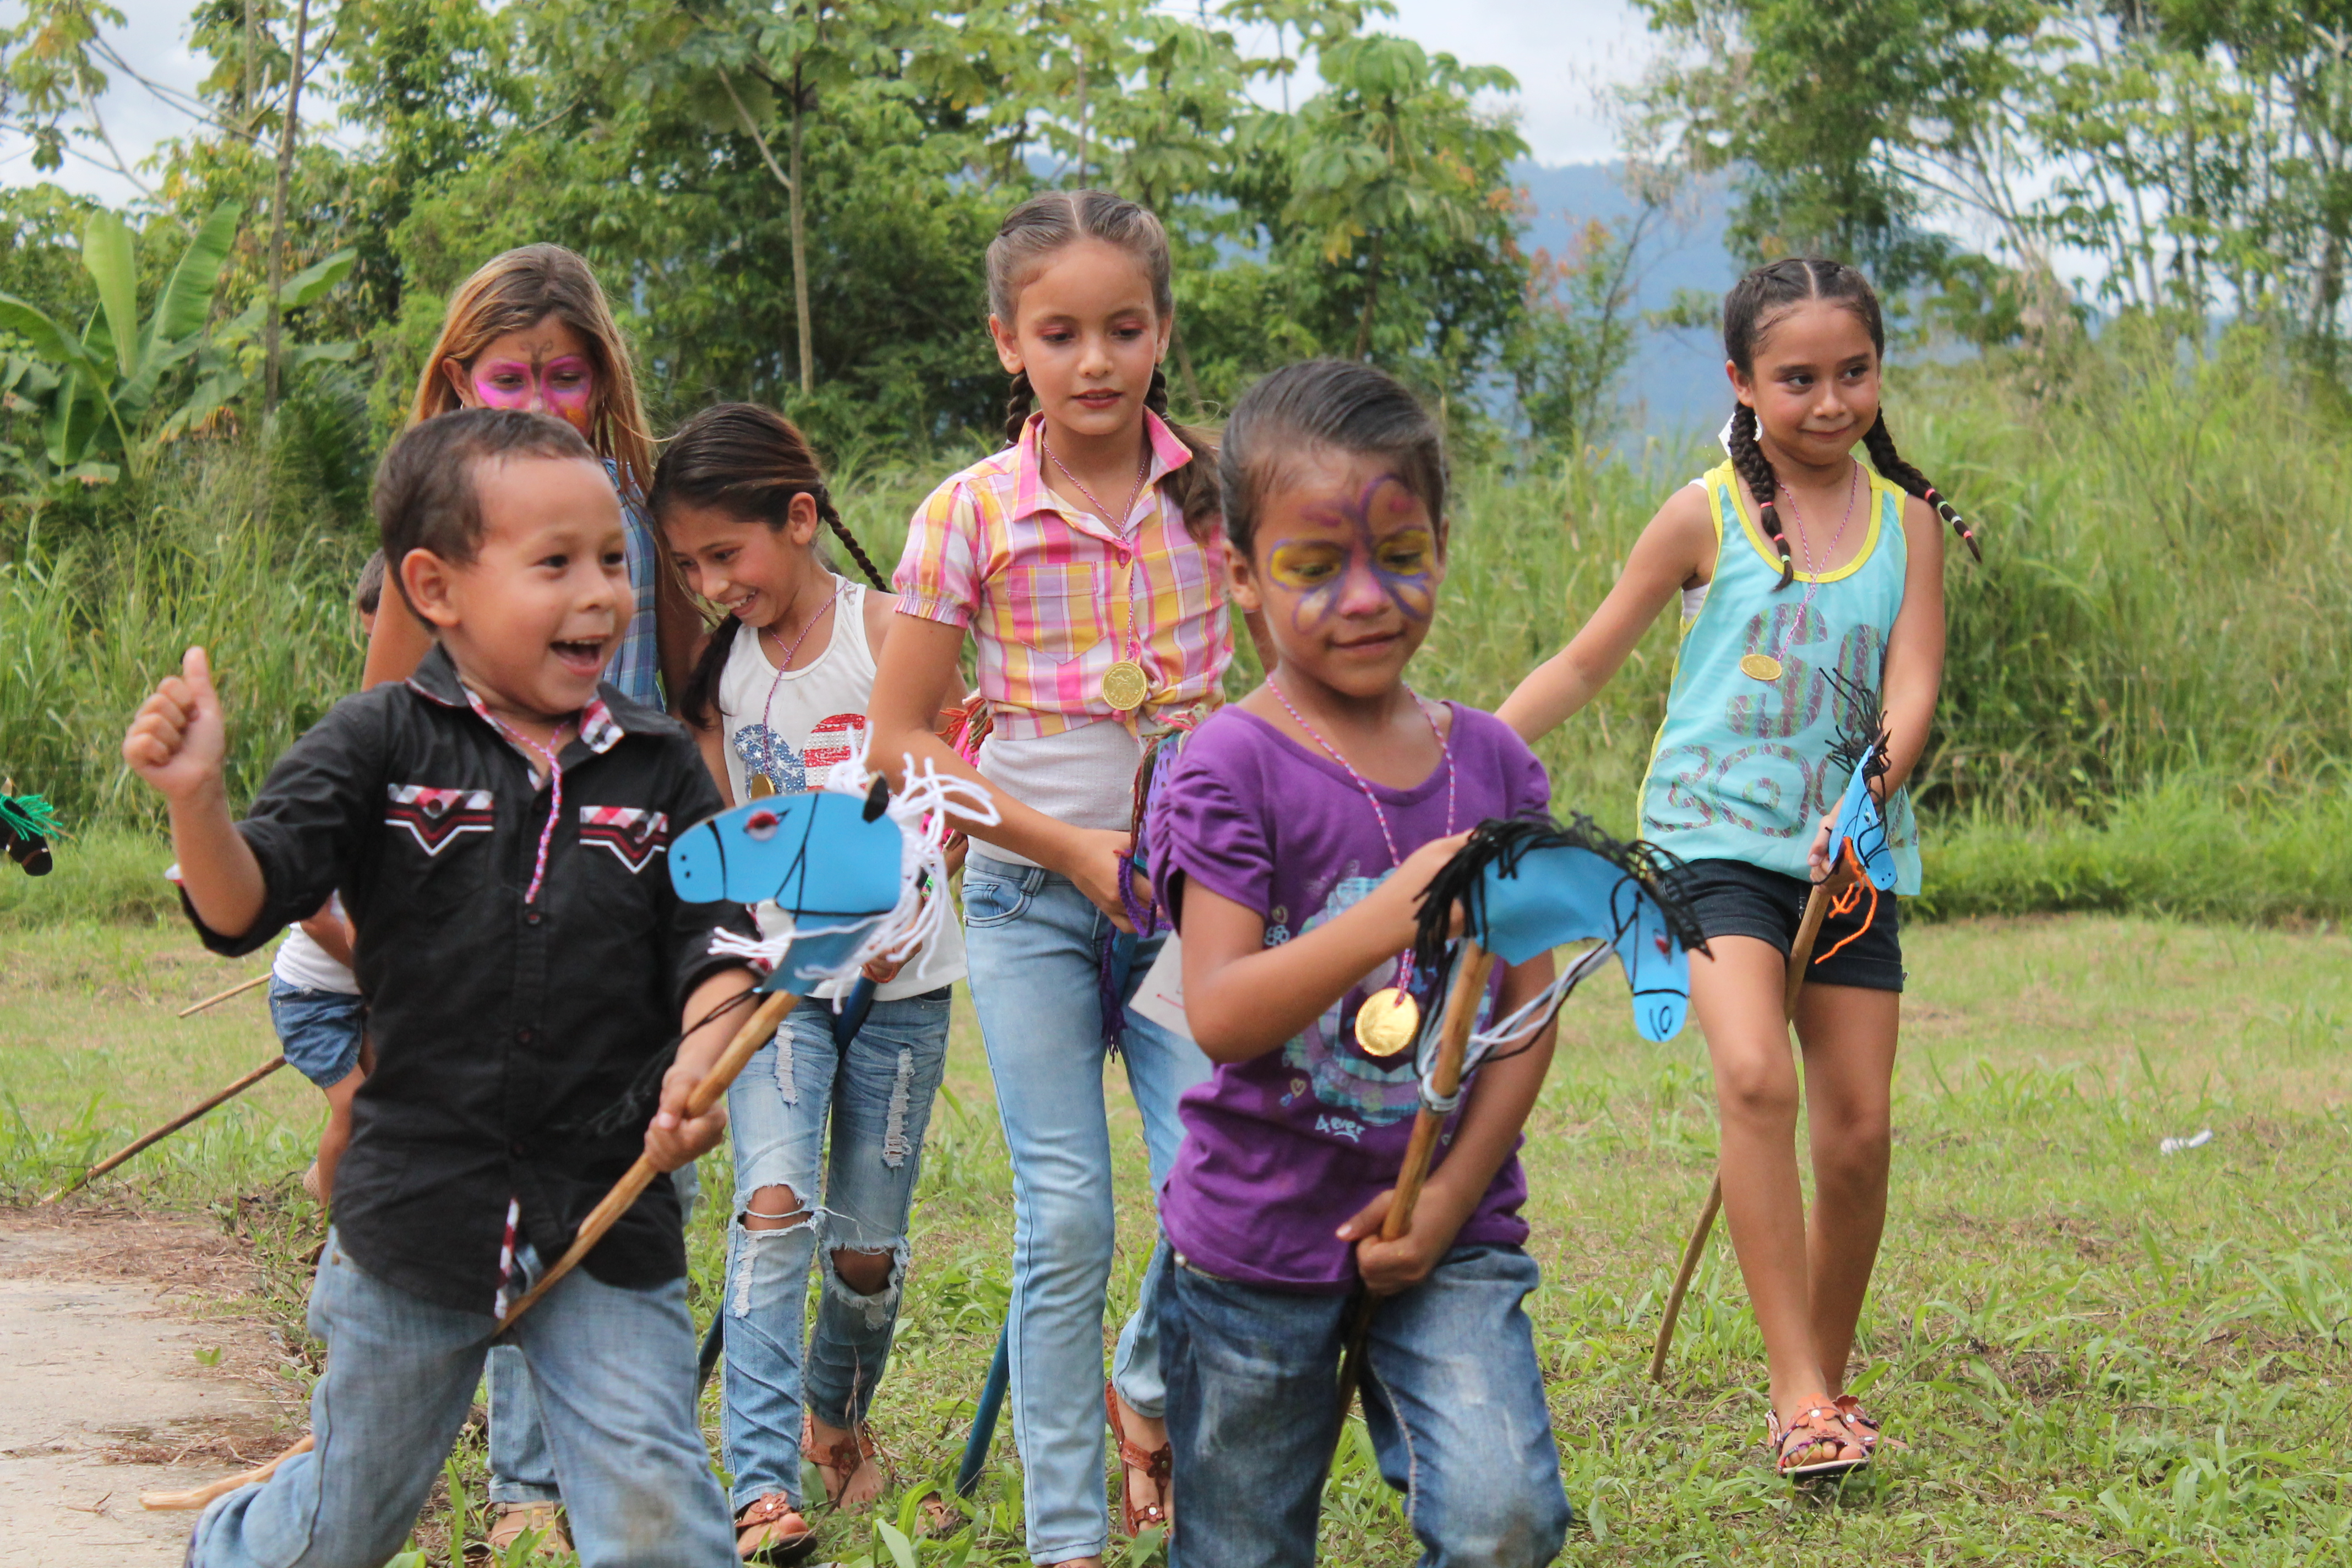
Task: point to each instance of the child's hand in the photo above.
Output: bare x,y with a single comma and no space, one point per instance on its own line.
1415,874
883,971
1095,866
1390,1267
673,1138
176,741
1821,856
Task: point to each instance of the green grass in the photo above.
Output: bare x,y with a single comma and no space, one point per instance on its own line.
2099,1352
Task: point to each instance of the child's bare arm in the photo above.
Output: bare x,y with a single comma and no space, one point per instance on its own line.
176,742
673,1138
1500,1098
1243,998
331,932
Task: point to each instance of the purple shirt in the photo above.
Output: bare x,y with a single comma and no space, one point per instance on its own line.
1278,1152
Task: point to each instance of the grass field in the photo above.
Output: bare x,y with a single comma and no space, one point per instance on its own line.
2099,1352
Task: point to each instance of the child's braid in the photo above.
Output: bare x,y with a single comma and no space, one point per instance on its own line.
1895,466
1017,406
856,551
1747,458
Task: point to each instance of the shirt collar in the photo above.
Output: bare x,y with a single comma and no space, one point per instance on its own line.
1031,495
603,723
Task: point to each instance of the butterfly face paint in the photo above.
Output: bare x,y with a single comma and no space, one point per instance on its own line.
564,386
1356,557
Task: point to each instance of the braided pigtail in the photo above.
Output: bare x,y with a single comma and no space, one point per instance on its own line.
849,540
1017,406
1194,488
699,704
1748,460
1895,466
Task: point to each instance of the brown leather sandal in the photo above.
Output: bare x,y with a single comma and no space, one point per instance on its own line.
1797,1448
772,1531
840,1462
1863,1425
1156,1467
512,1519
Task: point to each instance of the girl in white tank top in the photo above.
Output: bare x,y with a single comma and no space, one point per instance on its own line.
779,696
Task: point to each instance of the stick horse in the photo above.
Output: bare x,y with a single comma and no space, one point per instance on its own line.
846,865
1524,888
1861,862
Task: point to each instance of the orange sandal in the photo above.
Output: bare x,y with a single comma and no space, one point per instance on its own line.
1156,1467
840,1461
1816,1427
1863,1425
772,1531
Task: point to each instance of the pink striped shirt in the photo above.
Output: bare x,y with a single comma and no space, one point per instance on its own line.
1035,578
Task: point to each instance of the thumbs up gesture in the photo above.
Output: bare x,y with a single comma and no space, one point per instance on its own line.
176,741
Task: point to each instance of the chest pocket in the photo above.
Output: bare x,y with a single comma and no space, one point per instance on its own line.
433,818
631,834
1059,611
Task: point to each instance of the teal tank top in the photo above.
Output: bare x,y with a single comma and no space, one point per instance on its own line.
1742,769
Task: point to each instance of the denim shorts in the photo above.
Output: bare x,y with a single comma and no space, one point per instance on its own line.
318,1030
1732,898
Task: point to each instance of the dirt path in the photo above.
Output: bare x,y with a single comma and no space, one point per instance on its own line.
120,1372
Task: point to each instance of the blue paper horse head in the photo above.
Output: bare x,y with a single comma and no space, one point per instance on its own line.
830,861
1861,822
1532,887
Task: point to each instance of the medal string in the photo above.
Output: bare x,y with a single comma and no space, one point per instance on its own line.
1445,756
1119,525
555,785
784,666
1813,573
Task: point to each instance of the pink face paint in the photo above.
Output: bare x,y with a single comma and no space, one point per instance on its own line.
564,386
1354,566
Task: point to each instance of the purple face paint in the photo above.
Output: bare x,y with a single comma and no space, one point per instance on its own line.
564,386
1378,546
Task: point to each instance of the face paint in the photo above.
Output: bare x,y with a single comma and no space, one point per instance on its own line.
564,386
1349,575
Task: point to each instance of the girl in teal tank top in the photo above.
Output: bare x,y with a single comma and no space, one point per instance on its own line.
1813,590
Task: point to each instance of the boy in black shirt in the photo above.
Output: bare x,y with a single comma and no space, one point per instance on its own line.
495,826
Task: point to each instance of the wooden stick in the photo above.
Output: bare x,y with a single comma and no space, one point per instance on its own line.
160,1133
239,989
1445,1081
746,1044
161,1502
1801,959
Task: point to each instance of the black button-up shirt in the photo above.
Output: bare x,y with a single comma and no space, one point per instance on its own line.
501,1026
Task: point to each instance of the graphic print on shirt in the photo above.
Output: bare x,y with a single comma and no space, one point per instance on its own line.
1768,774
835,739
1338,1077
437,819
632,833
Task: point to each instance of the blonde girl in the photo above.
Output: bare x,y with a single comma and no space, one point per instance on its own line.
1813,601
1085,563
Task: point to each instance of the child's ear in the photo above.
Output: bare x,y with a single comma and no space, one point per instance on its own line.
454,374
429,580
801,519
1241,581
1008,347
1740,387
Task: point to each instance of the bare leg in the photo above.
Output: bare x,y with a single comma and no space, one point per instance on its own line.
771,1208
338,1135
1849,1034
1737,997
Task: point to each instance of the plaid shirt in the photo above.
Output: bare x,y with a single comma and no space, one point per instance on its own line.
1035,579
637,663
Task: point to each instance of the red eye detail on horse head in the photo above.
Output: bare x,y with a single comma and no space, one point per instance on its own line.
1663,949
762,825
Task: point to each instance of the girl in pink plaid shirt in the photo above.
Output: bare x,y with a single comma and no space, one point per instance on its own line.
1087,562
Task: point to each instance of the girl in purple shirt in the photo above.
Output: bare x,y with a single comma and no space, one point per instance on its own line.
1293,838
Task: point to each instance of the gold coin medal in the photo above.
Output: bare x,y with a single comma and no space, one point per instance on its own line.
759,782
1125,686
1389,1020
1768,668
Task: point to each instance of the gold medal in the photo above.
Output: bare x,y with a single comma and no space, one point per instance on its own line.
1125,686
762,786
1388,1023
1759,666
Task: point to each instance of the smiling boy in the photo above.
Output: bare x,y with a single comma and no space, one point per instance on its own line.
495,826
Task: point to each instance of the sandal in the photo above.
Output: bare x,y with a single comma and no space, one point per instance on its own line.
513,1519
772,1531
1863,1425
1816,1427
840,1463
1156,1467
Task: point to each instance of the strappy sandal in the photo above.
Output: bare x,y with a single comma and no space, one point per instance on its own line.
515,1518
1155,1466
1863,1425
840,1462
772,1531
1817,1427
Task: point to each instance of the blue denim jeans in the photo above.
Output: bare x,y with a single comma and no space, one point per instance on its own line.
522,1466
878,1095
1030,939
613,1369
1452,1395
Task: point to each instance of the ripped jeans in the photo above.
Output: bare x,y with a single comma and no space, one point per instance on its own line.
878,1095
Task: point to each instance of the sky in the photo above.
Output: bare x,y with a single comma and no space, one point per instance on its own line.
1566,54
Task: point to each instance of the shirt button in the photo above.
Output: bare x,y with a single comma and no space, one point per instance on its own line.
522,1036
530,919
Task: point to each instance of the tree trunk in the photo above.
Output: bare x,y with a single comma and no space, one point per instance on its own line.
275,371
1371,302
245,107
800,248
1079,54
1184,364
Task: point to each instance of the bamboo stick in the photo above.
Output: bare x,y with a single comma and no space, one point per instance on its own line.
166,1501
239,989
160,1133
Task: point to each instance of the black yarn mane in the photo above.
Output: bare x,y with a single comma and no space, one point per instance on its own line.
1863,737
1503,844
